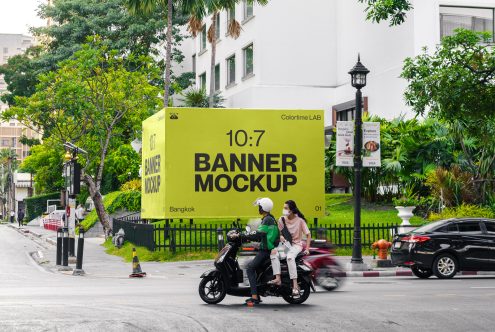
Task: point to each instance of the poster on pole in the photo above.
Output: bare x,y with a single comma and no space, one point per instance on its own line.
371,144
214,163
345,143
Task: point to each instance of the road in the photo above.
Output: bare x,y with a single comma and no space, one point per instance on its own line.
35,299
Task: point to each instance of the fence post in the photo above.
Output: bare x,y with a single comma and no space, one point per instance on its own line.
320,233
221,243
167,226
172,242
316,222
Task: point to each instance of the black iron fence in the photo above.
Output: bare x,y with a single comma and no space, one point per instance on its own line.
197,237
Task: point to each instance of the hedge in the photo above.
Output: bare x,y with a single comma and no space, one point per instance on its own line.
36,205
114,201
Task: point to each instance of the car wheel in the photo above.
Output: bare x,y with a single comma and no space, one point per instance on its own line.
421,272
445,266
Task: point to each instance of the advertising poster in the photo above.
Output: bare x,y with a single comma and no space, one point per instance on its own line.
208,163
345,143
371,144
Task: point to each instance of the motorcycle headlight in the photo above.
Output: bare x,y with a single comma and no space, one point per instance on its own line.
222,254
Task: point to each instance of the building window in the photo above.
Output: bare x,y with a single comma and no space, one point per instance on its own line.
230,16
202,81
217,27
5,142
470,18
346,115
194,63
217,77
203,38
248,60
231,70
248,10
347,111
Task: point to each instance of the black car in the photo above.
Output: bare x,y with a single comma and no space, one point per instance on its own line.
447,246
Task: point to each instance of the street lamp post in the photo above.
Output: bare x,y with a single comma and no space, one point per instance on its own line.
358,81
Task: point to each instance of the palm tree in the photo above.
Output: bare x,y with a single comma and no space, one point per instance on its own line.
197,10
147,6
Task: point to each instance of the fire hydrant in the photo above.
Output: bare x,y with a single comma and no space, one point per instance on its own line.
383,246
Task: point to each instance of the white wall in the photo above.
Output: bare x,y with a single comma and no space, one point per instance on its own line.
302,55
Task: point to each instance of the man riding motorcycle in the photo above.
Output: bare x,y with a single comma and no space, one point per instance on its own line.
268,234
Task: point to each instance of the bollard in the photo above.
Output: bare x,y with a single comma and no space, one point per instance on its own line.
72,245
80,250
221,243
65,248
59,246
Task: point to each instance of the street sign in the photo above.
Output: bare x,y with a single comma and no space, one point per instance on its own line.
203,163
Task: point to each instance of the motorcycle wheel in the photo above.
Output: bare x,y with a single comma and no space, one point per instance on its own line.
305,289
212,289
329,277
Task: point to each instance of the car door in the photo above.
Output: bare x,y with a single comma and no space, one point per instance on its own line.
489,239
473,248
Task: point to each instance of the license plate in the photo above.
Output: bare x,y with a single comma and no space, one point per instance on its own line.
397,245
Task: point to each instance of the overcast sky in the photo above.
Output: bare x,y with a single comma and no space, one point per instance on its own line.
16,16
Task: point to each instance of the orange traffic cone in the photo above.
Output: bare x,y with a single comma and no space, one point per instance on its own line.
136,267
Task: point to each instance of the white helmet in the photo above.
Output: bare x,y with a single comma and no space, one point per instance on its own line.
265,203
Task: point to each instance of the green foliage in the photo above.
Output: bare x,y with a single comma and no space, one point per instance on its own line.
46,163
126,200
36,205
393,10
123,163
464,210
456,85
196,97
132,185
114,201
453,186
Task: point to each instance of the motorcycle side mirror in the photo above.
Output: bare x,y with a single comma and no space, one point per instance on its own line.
248,228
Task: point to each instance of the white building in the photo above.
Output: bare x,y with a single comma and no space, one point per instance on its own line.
298,57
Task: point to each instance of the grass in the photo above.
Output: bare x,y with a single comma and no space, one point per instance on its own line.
154,256
339,211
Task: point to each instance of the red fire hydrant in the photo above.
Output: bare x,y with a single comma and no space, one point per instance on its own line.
383,246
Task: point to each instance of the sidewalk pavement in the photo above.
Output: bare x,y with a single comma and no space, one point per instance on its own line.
97,263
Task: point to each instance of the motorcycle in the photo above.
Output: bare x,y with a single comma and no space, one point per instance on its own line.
227,276
327,272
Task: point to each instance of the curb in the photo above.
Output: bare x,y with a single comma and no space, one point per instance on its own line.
406,273
400,273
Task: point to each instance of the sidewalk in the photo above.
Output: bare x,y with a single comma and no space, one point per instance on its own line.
97,263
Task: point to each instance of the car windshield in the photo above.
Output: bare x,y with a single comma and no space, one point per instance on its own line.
429,227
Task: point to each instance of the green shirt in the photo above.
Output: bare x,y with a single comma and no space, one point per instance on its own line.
269,226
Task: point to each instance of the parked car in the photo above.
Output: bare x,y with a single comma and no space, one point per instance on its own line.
447,246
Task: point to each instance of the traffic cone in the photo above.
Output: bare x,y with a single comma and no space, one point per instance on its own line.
136,267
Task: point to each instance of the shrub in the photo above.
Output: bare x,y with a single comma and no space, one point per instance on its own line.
114,201
36,205
464,210
453,186
133,185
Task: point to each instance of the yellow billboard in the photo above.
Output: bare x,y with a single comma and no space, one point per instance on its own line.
205,163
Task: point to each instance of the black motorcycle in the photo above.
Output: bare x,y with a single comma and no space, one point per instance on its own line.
227,276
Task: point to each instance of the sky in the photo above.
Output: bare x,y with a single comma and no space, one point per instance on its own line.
16,16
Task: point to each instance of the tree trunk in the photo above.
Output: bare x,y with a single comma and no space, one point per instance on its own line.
211,99
169,54
99,207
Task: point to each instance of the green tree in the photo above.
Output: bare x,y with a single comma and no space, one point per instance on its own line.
124,163
46,163
76,20
393,10
456,85
8,165
94,101
197,97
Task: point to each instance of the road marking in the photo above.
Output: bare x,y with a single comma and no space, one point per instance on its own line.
483,287
394,295
445,294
